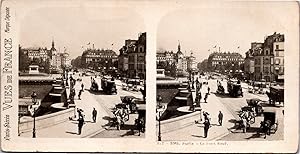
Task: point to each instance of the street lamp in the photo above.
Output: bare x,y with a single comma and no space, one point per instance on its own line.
34,101
159,110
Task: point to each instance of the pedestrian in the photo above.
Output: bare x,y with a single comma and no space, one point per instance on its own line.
206,127
80,124
220,118
80,115
205,97
208,89
79,94
205,114
94,113
82,86
200,97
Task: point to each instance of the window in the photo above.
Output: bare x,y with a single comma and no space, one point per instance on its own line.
277,47
131,66
131,59
277,53
140,49
277,61
140,67
257,69
257,61
266,70
141,59
267,61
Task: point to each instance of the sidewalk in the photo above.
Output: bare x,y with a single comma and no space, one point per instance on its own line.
69,129
194,131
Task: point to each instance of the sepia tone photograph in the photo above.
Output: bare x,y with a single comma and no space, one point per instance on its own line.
81,75
220,74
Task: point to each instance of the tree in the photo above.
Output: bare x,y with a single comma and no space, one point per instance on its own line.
77,62
24,60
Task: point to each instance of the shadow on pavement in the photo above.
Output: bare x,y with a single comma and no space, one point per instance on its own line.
222,95
71,132
109,124
198,136
256,135
128,133
99,92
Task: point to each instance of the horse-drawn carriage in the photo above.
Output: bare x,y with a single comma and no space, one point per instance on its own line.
108,85
220,89
269,124
121,115
276,94
254,103
234,88
128,101
140,122
94,86
129,105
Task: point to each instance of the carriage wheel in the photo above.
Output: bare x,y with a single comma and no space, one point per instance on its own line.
252,120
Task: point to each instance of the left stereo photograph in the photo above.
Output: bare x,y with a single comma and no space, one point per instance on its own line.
82,73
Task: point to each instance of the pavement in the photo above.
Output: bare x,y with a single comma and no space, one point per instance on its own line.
229,107
101,128
196,131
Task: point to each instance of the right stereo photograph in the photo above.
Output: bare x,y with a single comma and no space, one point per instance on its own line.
220,74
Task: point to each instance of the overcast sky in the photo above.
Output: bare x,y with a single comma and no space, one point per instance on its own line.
227,26
75,27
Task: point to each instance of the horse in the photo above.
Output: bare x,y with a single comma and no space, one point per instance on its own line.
140,125
118,120
245,119
265,127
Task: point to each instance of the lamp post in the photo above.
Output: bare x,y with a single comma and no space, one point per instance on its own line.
19,119
159,110
33,130
33,97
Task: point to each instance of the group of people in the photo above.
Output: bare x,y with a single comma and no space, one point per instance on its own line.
198,92
81,118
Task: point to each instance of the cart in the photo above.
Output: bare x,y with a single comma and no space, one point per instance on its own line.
129,101
234,88
108,85
256,106
220,90
269,124
276,94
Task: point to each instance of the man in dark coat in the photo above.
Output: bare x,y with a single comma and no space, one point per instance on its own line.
82,86
205,97
80,124
94,113
206,127
220,118
79,94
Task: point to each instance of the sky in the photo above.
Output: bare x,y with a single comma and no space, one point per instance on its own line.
231,27
74,28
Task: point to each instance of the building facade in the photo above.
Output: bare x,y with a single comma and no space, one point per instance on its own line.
225,62
249,65
99,59
40,56
137,58
184,64
132,58
269,58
